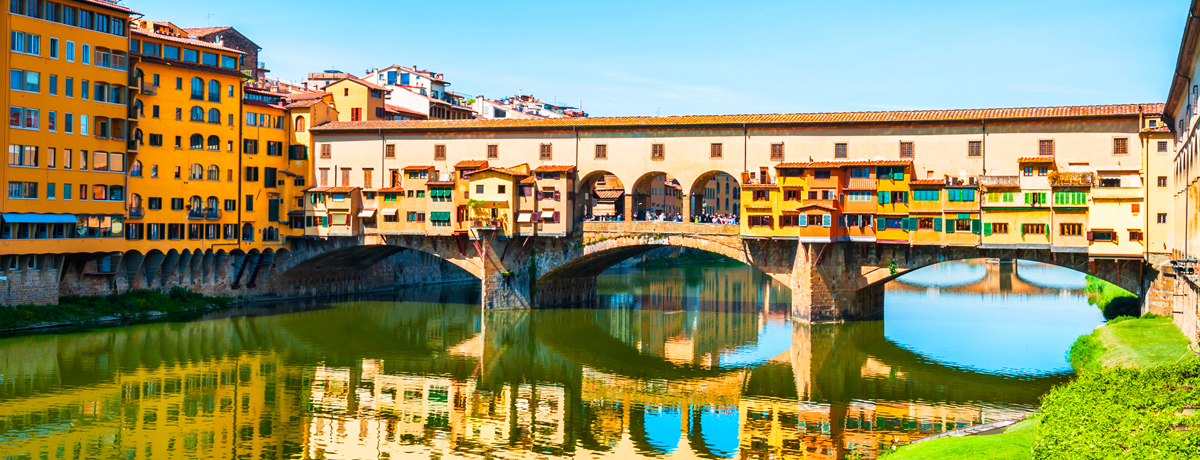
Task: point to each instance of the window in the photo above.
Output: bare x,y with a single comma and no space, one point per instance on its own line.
196,142
1121,146
1162,181
22,155
657,151
214,143
906,150
198,89
25,80
974,148
1070,229
1162,146
821,174
389,151
23,118
86,51
251,174
25,43
154,203
1162,218
1102,235
70,51
840,150
925,223
926,195
545,152
53,48
762,195
1046,147
1034,229
760,221
23,190
326,151
777,154
345,177
439,152
1135,235
250,146
1042,170
191,55
601,151
356,114
791,195
716,150
1028,171
863,196
249,203
214,116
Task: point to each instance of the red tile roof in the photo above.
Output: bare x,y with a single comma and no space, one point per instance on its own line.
202,31
418,168
529,180
404,111
332,189
1045,159
926,182
1157,129
110,5
471,164
609,193
182,40
433,181
842,163
765,119
508,171
391,189
554,168
303,104
359,81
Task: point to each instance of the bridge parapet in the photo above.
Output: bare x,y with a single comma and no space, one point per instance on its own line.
661,227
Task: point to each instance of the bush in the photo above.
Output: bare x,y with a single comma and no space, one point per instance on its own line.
1084,354
1123,413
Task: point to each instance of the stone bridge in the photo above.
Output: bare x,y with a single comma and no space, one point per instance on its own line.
829,281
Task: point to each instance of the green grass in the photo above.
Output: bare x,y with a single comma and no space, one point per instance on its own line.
84,309
1014,443
1110,299
1129,342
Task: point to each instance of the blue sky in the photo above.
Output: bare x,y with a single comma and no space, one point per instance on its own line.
705,57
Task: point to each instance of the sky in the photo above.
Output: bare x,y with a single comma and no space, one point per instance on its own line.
704,57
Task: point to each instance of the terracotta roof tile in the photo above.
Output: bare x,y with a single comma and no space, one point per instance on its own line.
471,164
529,180
926,182
110,5
842,163
359,81
182,40
1045,159
1157,129
391,189
609,193
554,168
332,189
402,110
509,171
418,168
763,119
202,31
303,104
439,182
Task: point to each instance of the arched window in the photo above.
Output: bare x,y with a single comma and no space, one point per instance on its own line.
197,114
139,108
135,200
197,142
247,232
198,88
214,91
197,171
214,173
214,143
135,169
270,234
194,203
300,124
214,116
211,203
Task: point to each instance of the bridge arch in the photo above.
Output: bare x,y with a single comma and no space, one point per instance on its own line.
603,250
726,191
657,190
315,256
600,193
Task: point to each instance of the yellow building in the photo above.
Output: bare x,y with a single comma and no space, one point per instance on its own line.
185,180
274,173
493,199
358,100
892,193
66,137
926,208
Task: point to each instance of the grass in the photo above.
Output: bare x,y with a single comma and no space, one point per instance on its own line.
85,309
1014,443
1110,299
1129,342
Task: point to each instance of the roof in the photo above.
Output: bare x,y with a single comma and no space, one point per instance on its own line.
390,189
609,193
432,181
529,180
304,104
182,40
471,164
1181,80
1163,128
926,182
909,116
508,171
1045,159
332,189
110,5
418,168
202,31
360,81
842,163
398,109
817,206
554,168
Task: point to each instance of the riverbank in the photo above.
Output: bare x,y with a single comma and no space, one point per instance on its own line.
1137,392
121,308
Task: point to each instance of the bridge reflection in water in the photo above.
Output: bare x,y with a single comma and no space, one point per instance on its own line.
709,367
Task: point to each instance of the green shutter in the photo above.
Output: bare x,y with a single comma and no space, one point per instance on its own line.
987,229
880,223
976,226
324,221
883,197
904,224
952,194
968,194
1028,198
898,176
1008,197
949,225
937,224
273,209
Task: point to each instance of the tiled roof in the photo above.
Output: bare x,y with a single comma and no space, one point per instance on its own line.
264,104
1157,129
760,185
926,182
529,180
1045,159
332,189
391,189
361,82
402,110
418,168
554,168
439,182
110,5
765,119
471,164
303,104
509,171
609,193
183,40
309,95
202,31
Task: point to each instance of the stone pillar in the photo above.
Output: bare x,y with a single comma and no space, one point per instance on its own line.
686,209
833,289
628,206
506,285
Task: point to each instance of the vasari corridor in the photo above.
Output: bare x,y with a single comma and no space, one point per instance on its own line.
201,258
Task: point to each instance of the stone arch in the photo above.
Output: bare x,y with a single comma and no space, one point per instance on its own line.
642,199
610,199
697,195
312,257
603,252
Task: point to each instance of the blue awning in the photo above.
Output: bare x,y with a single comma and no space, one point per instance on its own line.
13,218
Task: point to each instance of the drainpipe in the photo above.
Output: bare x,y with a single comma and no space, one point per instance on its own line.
241,122
983,172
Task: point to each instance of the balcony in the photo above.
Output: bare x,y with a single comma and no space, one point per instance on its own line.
149,88
134,115
487,224
1116,193
131,146
195,213
1071,179
136,212
1000,181
212,214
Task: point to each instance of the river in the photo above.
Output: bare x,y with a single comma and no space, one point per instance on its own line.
682,362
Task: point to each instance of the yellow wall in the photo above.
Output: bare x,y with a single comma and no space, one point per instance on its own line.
349,95
503,203
893,210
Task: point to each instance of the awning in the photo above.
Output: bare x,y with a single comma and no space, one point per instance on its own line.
440,216
525,217
295,213
366,213
547,214
389,212
13,218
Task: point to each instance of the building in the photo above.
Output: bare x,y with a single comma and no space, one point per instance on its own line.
420,93
1180,117
67,140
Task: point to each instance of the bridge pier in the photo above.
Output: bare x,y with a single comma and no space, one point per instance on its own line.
828,284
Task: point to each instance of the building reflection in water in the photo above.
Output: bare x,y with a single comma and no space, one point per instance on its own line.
710,367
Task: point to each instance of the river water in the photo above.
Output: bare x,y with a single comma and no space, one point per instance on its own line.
685,362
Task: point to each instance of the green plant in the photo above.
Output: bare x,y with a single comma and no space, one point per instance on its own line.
892,268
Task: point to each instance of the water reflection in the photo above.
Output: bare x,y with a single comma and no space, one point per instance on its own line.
690,362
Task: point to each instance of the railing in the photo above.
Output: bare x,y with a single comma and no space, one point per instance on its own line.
195,213
660,228
131,146
1000,181
136,212
1071,179
110,61
212,214
149,88
487,224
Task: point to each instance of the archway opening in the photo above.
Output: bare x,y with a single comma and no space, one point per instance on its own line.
601,197
715,197
657,196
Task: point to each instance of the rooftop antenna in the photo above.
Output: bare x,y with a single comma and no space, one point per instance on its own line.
209,19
